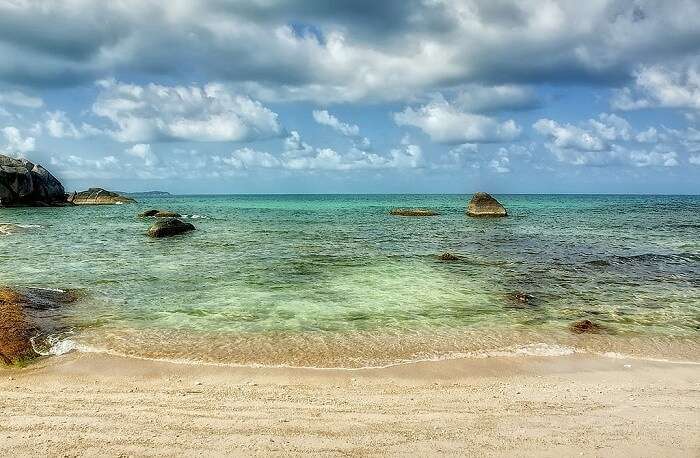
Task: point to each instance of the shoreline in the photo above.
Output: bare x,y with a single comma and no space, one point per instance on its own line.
96,404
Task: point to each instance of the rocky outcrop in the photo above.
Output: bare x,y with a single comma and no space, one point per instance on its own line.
24,314
159,214
483,204
99,196
15,329
23,183
413,212
169,227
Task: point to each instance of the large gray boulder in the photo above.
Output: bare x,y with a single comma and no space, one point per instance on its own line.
483,204
169,227
99,196
23,183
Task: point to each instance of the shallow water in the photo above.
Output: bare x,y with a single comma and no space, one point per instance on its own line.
336,281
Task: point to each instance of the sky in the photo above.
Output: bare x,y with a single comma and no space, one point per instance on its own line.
355,96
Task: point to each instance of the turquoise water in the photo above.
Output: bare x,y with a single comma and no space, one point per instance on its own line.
334,280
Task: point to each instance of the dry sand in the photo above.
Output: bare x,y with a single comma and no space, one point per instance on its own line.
97,405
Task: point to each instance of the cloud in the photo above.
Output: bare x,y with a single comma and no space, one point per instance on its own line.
177,113
20,99
300,156
661,86
694,159
388,50
351,131
144,152
446,124
76,167
607,140
58,125
327,119
16,143
569,137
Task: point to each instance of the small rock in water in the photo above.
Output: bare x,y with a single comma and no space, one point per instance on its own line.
520,298
448,257
159,214
483,204
413,212
585,327
169,227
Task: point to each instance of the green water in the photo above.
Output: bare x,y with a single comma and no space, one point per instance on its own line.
336,281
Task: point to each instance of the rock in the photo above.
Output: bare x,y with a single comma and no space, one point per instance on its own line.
448,257
585,327
16,330
169,227
413,212
99,196
160,214
167,214
23,183
483,204
521,298
24,314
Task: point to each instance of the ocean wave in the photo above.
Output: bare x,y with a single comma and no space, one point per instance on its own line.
58,346
647,259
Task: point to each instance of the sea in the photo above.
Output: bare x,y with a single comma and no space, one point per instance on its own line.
335,281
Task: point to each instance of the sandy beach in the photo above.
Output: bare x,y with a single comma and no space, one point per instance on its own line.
98,405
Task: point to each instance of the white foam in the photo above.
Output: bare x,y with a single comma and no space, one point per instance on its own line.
58,346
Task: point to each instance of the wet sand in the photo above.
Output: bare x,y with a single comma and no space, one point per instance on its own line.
98,405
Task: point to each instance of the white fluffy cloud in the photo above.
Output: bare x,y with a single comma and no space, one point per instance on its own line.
16,143
446,124
607,140
351,131
300,156
58,125
694,159
662,86
161,113
144,152
325,118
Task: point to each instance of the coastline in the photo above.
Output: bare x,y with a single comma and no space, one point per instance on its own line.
96,404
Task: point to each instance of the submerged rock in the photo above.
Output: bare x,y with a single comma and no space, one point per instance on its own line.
483,204
23,183
448,257
99,196
520,298
25,313
160,214
413,212
16,331
585,327
169,227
